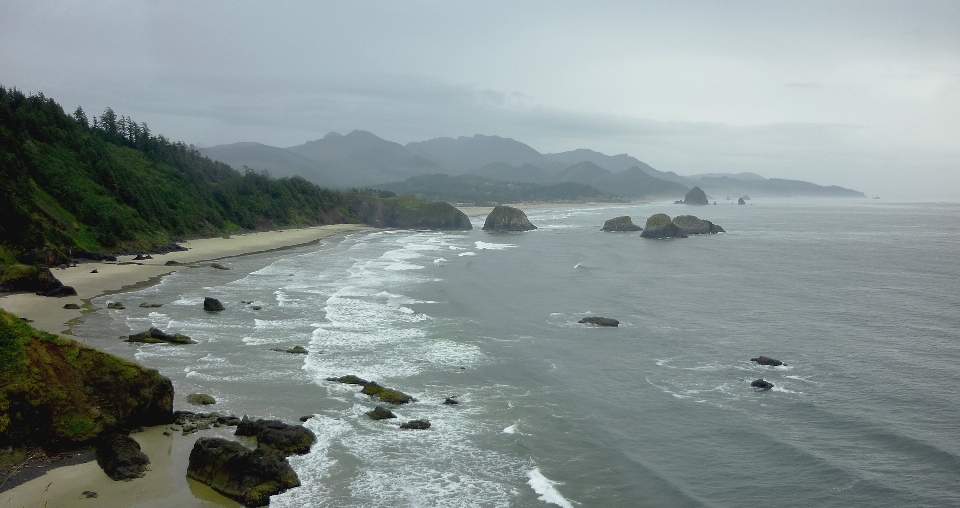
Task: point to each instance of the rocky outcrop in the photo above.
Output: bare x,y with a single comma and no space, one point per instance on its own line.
416,425
54,391
146,305
249,476
507,218
115,306
380,413
274,434
451,401
388,395
120,457
623,223
695,196
218,266
740,201
408,212
691,225
59,292
660,226
72,306
28,278
156,335
599,321
296,350
766,360
212,304
762,384
349,379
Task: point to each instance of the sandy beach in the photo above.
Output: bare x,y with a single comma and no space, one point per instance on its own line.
165,484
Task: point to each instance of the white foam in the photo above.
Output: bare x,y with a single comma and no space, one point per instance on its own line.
468,253
492,246
439,260
545,488
511,429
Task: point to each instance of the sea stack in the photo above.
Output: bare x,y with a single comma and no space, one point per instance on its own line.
692,225
507,218
623,223
660,226
696,196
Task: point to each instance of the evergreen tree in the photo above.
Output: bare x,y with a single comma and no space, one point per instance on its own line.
80,117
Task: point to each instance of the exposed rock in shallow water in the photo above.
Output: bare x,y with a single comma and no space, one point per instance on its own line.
660,226
201,399
71,306
212,304
691,225
380,413
623,223
507,218
249,476
151,305
120,457
740,201
416,425
450,401
599,321
115,306
762,384
766,360
297,350
386,394
287,439
349,379
218,266
156,336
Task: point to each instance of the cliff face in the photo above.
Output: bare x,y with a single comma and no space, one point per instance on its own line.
408,212
56,392
507,218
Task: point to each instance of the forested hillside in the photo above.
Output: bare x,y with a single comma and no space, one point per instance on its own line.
73,187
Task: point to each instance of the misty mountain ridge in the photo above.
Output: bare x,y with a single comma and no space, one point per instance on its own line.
363,159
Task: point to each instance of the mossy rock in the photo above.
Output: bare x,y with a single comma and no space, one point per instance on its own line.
54,391
349,379
660,226
387,395
115,306
27,278
249,476
507,218
285,438
201,399
380,413
623,223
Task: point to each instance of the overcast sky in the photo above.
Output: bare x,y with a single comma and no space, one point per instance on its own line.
859,94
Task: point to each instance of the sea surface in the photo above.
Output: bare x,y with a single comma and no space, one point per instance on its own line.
860,298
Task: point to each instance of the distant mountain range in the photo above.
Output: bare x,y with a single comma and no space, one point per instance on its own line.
361,159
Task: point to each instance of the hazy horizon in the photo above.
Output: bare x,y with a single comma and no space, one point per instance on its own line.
863,95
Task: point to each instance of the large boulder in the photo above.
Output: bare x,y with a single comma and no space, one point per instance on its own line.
287,439
212,304
201,399
762,384
766,360
380,413
740,201
28,278
691,225
156,335
507,218
249,476
59,292
120,457
388,395
416,425
54,391
660,226
623,223
695,196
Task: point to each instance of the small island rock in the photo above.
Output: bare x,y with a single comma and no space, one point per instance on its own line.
623,223
380,413
766,360
156,336
212,304
660,226
762,384
740,201
201,399
507,218
599,321
695,196
691,225
287,439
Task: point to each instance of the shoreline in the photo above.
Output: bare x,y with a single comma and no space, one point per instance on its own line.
165,484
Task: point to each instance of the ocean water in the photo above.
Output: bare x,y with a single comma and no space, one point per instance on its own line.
859,297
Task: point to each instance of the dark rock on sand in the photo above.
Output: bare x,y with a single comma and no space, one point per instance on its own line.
762,384
212,304
156,336
599,321
660,226
507,218
766,360
71,306
249,476
218,266
27,278
623,223
120,457
287,439
201,399
380,413
416,425
172,263
141,257
60,292
89,494
94,271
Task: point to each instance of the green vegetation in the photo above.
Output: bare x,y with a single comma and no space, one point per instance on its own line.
54,391
69,187
408,212
656,221
388,395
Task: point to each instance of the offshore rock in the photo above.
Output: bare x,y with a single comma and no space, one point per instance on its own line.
249,476
274,434
766,360
691,225
416,425
660,226
623,223
201,399
762,384
388,395
156,336
212,304
507,218
296,350
599,321
120,457
695,196
740,201
380,413
349,379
